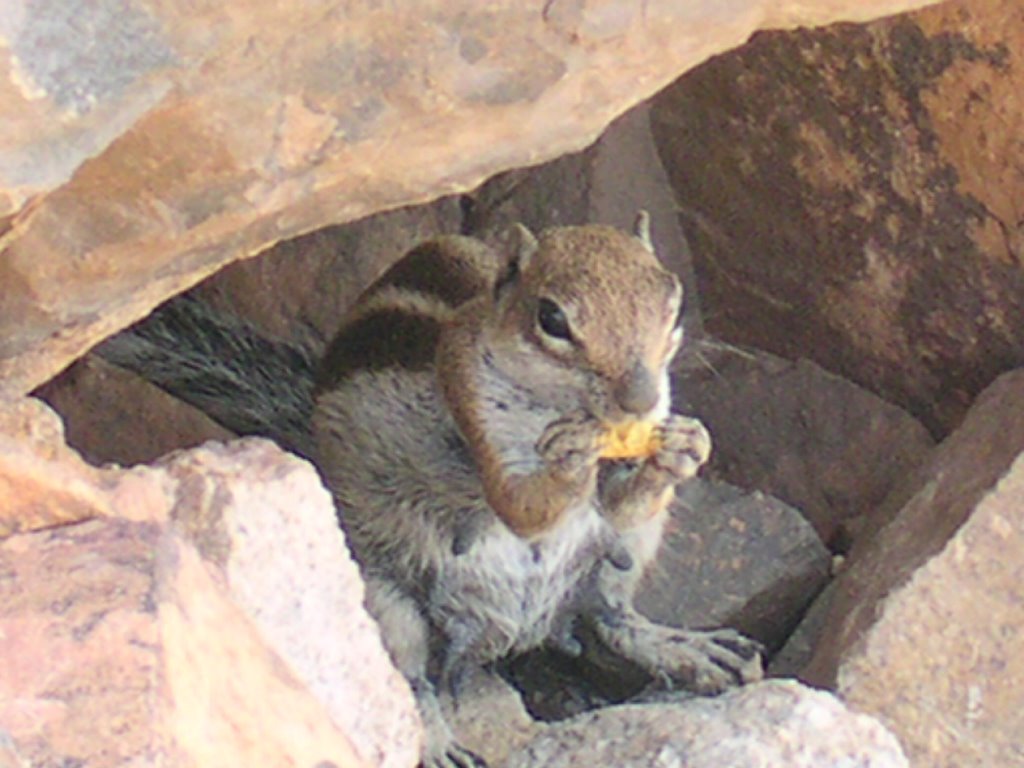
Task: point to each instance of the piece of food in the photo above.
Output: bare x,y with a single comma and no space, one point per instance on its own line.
630,440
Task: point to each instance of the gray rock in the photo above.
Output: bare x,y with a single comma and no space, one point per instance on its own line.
743,560
490,718
941,663
774,724
828,447
798,650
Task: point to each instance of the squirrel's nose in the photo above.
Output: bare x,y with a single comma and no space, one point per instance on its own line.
637,390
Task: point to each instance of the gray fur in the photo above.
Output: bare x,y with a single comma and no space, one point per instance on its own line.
249,384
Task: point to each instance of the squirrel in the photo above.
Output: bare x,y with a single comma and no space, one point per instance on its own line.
458,420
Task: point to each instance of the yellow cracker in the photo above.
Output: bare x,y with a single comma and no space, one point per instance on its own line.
630,440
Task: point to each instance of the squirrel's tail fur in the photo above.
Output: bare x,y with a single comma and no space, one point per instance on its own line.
244,381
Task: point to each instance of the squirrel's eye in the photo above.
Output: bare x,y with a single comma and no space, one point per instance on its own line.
552,320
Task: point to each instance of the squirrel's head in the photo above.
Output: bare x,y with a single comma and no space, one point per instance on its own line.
588,316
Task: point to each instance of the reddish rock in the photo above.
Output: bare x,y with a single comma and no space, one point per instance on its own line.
940,663
765,725
267,523
117,646
929,509
145,145
209,615
42,482
113,415
855,195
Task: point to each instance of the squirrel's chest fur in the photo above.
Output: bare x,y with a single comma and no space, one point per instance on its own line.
507,593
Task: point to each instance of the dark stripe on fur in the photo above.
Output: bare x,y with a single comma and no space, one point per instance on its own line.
452,271
386,338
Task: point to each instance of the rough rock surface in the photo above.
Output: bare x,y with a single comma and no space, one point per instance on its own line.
102,615
145,145
734,559
490,718
298,291
267,522
42,482
114,416
855,195
791,429
118,647
793,657
765,725
942,495
941,664
922,622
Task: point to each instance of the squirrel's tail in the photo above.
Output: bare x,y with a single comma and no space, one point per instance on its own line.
221,365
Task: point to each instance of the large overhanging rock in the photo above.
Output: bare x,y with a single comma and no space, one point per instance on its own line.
145,145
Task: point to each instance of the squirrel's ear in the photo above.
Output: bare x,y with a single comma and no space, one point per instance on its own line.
524,245
521,247
642,229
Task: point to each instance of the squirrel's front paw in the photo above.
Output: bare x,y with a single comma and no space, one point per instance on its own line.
685,446
572,443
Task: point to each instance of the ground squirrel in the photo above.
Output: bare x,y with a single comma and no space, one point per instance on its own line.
458,421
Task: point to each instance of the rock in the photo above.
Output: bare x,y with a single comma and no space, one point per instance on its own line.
120,648
946,491
766,725
267,523
298,291
923,619
113,415
9,757
490,718
794,656
734,559
42,482
941,663
146,145
790,429
214,589
855,195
